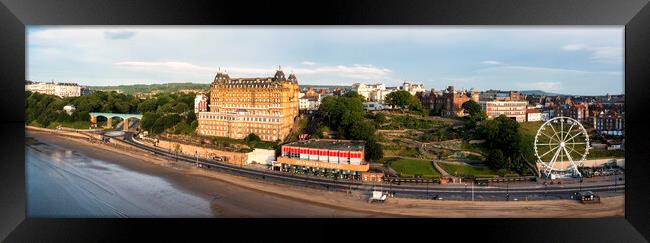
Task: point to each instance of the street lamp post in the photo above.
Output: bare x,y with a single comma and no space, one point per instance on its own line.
580,183
465,191
545,188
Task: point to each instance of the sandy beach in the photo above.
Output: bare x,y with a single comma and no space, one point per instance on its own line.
236,196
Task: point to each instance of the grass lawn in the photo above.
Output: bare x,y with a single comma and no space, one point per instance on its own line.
386,160
465,170
75,125
411,122
530,128
412,167
604,154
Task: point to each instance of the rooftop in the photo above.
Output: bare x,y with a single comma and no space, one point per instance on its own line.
279,76
532,111
353,145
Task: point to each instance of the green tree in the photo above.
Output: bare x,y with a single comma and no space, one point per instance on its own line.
361,130
181,107
350,110
252,137
380,118
183,128
399,99
503,134
148,120
496,159
170,120
166,108
327,108
414,104
191,117
163,99
158,126
472,108
121,107
354,94
148,105
373,150
194,125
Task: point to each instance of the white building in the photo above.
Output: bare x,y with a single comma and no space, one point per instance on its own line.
69,109
512,109
373,92
303,103
412,88
310,103
533,115
200,103
67,90
58,89
41,87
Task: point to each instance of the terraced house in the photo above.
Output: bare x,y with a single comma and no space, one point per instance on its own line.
264,106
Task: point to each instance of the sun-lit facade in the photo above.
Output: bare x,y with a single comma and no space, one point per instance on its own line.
237,107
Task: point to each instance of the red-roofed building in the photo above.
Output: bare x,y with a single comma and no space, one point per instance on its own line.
533,115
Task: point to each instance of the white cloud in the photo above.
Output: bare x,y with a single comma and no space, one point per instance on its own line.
544,86
574,47
356,71
508,68
491,62
608,54
119,34
603,54
162,54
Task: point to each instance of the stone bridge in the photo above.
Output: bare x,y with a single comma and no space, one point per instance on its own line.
109,116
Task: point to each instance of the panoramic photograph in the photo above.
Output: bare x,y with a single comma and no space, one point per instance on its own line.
324,122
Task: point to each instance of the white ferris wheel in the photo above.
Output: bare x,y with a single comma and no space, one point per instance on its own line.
561,144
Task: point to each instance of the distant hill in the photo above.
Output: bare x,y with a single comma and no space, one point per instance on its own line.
145,88
316,86
540,92
175,87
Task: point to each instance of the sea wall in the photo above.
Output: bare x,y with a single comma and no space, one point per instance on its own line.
203,152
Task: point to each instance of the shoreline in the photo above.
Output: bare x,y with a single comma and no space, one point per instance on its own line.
184,177
393,207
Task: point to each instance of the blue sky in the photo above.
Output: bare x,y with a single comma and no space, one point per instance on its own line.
571,60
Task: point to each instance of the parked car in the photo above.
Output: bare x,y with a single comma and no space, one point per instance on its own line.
586,197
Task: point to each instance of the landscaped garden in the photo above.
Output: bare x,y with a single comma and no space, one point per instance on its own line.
472,171
414,167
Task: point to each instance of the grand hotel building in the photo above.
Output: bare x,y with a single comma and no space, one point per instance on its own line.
237,107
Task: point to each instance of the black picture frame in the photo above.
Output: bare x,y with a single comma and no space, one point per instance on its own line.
634,14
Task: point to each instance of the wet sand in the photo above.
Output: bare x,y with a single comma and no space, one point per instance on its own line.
225,199
235,196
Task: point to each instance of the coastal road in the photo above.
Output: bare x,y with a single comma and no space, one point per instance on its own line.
505,191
